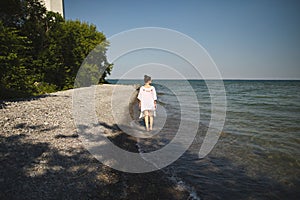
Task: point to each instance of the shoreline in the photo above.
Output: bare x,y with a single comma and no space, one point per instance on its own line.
42,155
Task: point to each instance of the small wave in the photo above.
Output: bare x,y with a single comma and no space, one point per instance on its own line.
180,184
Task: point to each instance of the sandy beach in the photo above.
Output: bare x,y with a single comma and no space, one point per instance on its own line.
42,156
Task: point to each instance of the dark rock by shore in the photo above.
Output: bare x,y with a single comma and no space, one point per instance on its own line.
42,156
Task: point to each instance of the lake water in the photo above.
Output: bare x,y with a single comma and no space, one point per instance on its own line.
258,153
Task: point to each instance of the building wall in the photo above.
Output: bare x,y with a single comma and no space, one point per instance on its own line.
55,6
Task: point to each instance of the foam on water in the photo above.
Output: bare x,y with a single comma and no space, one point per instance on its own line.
180,184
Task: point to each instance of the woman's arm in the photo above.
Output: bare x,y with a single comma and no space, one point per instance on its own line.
139,97
154,93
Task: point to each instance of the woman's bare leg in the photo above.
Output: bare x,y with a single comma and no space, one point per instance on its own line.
151,122
146,120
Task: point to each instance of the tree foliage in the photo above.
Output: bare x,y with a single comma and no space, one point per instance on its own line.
41,52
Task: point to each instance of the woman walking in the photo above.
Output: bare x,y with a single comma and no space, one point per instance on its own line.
147,102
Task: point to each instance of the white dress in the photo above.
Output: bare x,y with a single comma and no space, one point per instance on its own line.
147,96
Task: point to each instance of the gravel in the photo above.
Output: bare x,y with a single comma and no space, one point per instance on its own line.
42,156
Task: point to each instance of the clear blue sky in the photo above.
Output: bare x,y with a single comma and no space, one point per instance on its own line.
246,38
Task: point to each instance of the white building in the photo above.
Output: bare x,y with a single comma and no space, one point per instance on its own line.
55,6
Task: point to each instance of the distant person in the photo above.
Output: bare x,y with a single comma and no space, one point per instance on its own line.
147,102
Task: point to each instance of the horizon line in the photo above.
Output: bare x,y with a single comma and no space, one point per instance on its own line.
228,79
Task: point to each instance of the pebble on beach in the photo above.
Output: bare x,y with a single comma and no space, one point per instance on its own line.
42,156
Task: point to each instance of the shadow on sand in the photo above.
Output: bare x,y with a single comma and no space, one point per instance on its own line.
34,170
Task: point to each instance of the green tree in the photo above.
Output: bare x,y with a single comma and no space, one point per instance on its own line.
23,37
69,44
14,76
41,52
